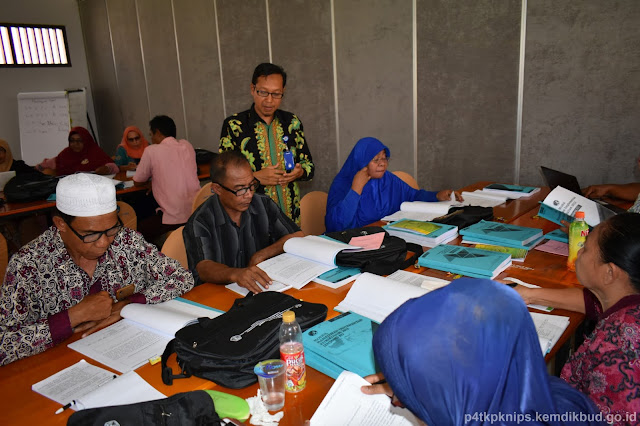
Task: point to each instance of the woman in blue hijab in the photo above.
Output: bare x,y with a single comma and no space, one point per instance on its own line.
364,191
470,350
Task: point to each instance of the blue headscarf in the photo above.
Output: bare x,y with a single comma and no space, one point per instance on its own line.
379,197
470,347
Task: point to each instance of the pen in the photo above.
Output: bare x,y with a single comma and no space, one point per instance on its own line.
61,409
512,285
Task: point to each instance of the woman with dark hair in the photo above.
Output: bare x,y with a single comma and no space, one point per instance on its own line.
468,353
364,191
607,365
82,155
8,164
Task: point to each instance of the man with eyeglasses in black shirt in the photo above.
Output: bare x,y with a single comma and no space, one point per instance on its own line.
272,140
78,275
236,228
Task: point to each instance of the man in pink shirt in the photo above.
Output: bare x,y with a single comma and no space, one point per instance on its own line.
171,165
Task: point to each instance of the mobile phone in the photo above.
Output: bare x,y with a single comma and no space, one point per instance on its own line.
289,162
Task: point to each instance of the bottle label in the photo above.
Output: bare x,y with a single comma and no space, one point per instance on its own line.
296,374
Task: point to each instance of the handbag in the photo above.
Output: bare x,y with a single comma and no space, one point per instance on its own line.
225,349
194,408
390,257
465,216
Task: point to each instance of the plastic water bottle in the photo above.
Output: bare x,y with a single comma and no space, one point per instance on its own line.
578,231
292,353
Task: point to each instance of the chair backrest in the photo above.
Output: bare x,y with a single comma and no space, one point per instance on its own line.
175,249
313,208
128,215
4,256
201,196
407,178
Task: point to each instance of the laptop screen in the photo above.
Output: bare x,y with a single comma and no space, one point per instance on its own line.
555,178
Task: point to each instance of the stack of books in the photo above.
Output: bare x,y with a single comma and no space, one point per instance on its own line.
427,234
510,191
501,234
467,261
341,343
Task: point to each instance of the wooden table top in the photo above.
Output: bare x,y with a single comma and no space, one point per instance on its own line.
23,406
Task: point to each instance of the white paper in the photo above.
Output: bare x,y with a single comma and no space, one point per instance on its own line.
73,382
549,329
375,297
482,199
418,280
524,284
346,405
129,388
292,270
275,286
317,249
568,202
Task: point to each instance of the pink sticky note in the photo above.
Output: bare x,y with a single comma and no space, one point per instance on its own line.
554,247
368,242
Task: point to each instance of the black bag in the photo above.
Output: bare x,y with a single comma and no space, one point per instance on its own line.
387,259
465,216
27,187
225,349
204,156
194,408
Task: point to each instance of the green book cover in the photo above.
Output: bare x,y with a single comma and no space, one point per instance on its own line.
415,226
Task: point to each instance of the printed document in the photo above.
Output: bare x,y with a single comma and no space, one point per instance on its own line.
346,405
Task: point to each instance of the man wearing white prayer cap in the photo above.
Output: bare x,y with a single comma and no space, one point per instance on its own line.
77,275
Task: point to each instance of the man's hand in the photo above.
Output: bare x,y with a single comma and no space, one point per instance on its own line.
294,174
373,389
360,180
270,175
94,307
92,326
596,191
445,195
103,170
250,277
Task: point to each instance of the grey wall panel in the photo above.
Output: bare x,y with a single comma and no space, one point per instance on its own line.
200,67
128,59
467,91
301,43
161,60
104,86
582,91
243,45
374,73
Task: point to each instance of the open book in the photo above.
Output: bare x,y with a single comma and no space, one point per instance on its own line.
375,297
562,204
549,328
88,386
346,405
142,334
511,191
303,260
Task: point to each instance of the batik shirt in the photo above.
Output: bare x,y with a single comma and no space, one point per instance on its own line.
264,146
606,366
42,282
635,208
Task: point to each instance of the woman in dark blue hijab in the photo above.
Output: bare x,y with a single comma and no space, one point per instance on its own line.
364,191
471,348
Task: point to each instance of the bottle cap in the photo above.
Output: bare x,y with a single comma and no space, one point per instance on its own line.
580,215
289,316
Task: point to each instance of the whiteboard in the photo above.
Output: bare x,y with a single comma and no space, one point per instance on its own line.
45,120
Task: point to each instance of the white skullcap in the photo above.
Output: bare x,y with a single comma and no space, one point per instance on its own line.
85,194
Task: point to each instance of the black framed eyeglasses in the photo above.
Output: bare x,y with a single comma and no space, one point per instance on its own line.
240,192
95,236
264,94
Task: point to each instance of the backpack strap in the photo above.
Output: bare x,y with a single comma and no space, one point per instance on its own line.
417,251
167,372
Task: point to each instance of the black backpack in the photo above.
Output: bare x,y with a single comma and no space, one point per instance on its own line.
225,349
27,187
387,259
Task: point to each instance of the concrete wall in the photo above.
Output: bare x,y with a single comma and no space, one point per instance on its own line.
17,80
437,81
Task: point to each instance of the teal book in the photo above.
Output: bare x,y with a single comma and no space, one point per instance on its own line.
341,343
558,235
553,215
501,233
468,261
512,188
515,245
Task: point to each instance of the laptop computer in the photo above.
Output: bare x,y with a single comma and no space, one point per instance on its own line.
556,178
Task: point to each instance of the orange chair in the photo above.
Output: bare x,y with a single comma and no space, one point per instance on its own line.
407,178
128,215
313,208
174,247
201,196
4,255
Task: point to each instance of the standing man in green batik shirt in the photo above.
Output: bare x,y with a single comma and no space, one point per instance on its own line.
264,134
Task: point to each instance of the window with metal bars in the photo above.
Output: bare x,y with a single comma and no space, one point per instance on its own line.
24,45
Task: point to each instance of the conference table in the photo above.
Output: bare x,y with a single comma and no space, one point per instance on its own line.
21,405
